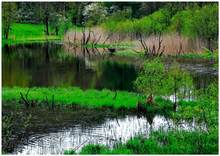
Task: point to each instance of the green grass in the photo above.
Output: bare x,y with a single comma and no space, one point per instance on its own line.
69,152
90,98
204,55
28,33
129,53
161,142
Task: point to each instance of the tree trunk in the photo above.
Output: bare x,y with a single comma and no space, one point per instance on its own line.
6,35
7,32
56,29
150,99
175,91
209,44
47,25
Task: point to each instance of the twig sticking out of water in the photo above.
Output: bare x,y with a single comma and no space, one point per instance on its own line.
25,99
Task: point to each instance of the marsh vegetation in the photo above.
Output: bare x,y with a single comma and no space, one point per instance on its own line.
140,79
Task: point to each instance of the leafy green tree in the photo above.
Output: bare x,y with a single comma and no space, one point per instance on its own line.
199,22
208,104
72,11
181,23
150,80
45,10
27,12
8,17
178,82
205,24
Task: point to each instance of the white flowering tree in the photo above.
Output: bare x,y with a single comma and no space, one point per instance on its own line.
94,14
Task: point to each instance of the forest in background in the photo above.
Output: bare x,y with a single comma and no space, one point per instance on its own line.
129,19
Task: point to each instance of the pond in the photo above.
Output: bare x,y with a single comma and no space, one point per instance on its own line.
107,130
53,64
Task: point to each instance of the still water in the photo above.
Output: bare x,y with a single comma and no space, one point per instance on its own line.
52,64
112,131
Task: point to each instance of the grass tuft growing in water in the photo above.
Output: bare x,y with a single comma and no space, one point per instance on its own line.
161,142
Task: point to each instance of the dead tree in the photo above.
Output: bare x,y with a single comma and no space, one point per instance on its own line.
25,100
108,37
180,50
83,37
88,38
152,51
95,41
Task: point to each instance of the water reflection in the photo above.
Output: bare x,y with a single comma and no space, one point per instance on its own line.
110,132
50,65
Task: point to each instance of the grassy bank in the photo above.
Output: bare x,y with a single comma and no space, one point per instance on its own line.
89,98
68,96
160,142
28,33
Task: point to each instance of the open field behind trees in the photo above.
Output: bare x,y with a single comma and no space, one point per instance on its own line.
28,33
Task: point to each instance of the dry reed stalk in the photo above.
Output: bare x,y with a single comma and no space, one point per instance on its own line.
173,43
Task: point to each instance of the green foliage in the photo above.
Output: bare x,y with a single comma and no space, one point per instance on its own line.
154,79
152,24
205,109
8,17
151,78
178,81
60,24
69,152
198,22
92,11
129,53
93,149
194,21
204,55
89,99
119,151
181,23
205,23
163,104
161,142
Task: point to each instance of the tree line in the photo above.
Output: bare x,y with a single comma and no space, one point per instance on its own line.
187,18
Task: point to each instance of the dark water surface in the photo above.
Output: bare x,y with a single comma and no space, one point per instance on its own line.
71,133
52,64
